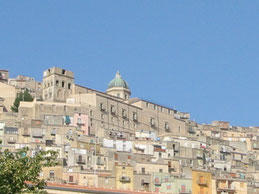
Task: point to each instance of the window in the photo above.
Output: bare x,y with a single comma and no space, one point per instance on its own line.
135,126
63,71
157,180
124,147
166,126
91,113
147,104
154,106
124,113
135,116
57,82
102,107
143,170
79,120
152,121
69,86
80,159
63,84
160,170
160,155
112,109
183,188
51,174
71,178
11,139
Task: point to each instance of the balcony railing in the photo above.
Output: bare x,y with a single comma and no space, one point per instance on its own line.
125,179
80,161
172,169
11,141
100,163
25,133
80,123
228,189
191,130
184,192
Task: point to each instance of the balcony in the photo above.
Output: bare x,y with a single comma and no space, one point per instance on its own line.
202,183
184,192
50,142
157,183
152,123
78,161
172,169
26,133
125,179
191,130
226,151
226,189
11,141
80,123
101,163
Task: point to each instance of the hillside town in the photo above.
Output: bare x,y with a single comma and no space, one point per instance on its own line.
111,140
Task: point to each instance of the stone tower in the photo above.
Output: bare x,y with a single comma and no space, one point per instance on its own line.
57,84
4,75
118,87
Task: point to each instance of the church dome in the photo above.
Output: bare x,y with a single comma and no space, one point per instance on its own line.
118,82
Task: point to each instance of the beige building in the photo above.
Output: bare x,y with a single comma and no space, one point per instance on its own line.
124,177
110,140
7,96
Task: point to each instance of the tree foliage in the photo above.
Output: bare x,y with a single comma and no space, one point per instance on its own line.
23,96
19,173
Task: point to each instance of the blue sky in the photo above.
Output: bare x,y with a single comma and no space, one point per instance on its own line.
197,56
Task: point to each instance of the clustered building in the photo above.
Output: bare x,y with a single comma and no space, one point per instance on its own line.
110,140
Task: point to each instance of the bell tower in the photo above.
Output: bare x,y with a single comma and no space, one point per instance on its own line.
57,84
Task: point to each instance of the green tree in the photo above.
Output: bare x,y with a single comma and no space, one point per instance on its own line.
19,173
23,96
